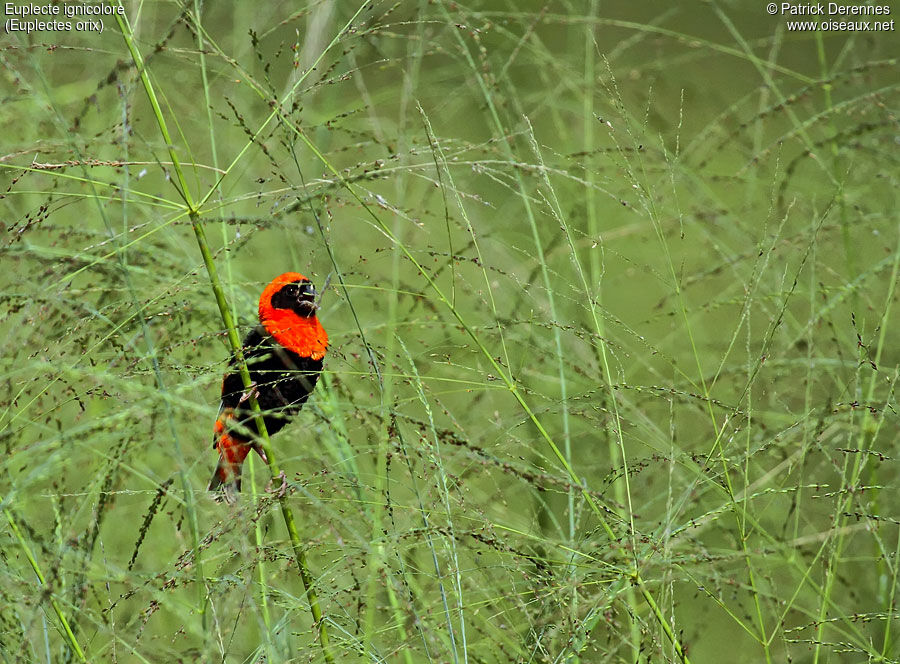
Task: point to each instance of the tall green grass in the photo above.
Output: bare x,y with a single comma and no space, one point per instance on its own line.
611,308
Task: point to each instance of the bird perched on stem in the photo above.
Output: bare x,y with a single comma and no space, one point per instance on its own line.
284,355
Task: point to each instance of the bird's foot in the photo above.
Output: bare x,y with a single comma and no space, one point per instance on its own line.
281,491
261,452
252,391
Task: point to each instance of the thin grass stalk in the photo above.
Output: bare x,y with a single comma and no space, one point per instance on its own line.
660,618
594,292
435,458
257,529
377,557
57,609
265,443
508,379
234,341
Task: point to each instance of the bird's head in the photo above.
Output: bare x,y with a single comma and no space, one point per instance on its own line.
298,294
287,309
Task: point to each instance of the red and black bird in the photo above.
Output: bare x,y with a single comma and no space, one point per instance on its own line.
284,354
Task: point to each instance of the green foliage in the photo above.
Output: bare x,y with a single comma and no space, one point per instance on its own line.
610,380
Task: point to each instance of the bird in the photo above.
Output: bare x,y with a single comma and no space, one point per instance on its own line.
284,355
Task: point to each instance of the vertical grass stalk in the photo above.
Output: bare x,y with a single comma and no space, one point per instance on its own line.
57,609
234,341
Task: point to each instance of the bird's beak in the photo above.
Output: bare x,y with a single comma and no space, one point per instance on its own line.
307,301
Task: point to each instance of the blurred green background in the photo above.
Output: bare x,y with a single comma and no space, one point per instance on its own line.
659,237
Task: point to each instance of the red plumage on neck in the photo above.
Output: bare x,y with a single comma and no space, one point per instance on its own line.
304,336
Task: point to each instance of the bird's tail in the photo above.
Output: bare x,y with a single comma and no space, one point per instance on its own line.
226,479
